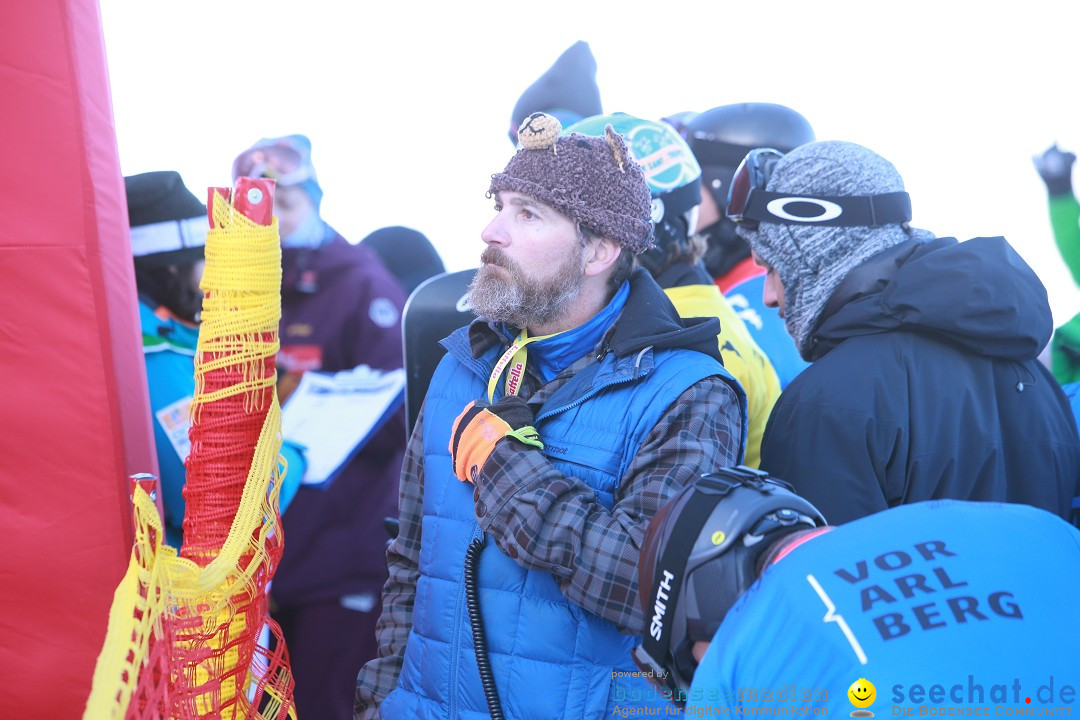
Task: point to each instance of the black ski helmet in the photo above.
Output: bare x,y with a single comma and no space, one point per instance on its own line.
700,553
721,137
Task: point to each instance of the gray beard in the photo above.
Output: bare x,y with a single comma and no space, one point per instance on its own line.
520,301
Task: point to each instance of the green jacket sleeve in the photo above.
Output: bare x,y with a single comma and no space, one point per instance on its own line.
1065,221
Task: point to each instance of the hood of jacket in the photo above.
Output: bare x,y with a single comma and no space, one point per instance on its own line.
978,294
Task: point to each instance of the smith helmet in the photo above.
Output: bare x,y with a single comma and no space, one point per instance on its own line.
700,553
721,137
670,169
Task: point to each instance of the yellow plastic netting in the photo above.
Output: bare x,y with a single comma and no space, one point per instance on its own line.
184,627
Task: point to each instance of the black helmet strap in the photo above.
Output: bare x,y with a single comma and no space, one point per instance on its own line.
667,583
710,490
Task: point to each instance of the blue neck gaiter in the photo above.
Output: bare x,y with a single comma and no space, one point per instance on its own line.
557,353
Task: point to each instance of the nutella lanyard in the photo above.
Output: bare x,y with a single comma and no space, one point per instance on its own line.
516,356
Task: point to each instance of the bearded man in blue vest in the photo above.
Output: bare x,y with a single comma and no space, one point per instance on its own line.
556,425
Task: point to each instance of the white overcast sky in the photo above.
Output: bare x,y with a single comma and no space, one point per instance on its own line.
407,103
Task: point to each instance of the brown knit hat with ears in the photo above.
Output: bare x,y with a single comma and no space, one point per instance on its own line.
592,180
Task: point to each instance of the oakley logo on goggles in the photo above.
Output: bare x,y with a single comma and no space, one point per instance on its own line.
750,203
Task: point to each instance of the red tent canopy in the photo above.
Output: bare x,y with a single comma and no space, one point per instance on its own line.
74,414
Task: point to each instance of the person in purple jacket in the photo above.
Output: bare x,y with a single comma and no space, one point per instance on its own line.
340,308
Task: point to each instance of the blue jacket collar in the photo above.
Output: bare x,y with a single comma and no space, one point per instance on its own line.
648,320
558,352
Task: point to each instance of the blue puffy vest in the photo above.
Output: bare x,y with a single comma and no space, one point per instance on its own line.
550,658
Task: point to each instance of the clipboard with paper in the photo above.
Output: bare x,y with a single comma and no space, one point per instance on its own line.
333,415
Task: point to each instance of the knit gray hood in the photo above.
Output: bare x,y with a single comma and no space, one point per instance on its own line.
811,261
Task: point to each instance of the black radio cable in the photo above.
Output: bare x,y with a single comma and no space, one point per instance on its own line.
472,600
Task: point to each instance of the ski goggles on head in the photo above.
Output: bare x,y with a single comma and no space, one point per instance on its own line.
749,203
279,161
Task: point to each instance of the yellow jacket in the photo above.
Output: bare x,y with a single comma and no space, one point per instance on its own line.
742,357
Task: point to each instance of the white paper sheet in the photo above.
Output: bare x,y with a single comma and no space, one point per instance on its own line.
334,414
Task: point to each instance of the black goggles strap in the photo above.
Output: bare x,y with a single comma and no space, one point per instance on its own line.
851,211
681,199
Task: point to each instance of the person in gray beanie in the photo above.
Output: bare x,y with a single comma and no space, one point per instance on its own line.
924,380
812,258
554,427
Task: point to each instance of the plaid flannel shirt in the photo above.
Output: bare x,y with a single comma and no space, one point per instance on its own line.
551,522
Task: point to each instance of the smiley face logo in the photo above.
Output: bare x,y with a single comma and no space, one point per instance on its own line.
862,694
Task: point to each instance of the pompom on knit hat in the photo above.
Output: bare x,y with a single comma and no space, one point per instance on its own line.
592,180
810,260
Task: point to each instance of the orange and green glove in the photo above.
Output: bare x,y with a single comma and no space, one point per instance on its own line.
477,429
